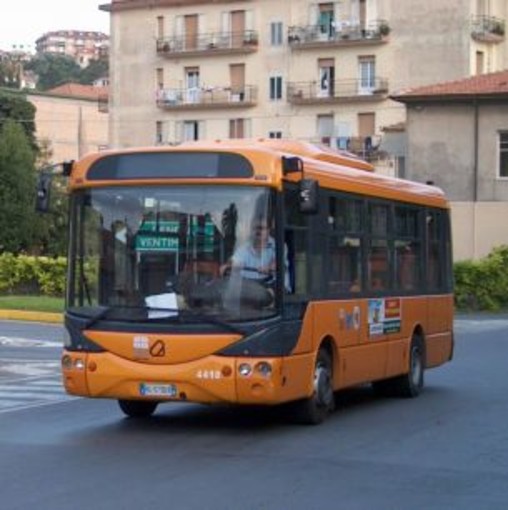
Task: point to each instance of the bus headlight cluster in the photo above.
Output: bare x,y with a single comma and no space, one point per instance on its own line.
244,369
262,368
68,363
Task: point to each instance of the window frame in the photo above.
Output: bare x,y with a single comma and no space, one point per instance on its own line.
502,154
276,34
276,87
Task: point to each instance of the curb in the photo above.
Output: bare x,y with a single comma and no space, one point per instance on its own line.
23,315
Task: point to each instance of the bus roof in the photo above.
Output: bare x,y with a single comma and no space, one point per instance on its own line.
339,170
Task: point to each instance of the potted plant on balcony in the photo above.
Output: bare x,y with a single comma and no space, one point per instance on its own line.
384,29
498,28
250,38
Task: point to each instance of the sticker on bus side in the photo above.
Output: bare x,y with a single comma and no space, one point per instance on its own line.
349,321
384,316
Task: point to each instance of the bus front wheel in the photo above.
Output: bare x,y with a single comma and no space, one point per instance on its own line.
314,409
137,408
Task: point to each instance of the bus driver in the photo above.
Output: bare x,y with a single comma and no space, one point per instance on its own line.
256,259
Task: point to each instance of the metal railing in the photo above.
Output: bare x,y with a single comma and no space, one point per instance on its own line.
365,147
338,32
206,97
488,28
246,40
307,92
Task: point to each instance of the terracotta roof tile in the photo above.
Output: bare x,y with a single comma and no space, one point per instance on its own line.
485,84
79,91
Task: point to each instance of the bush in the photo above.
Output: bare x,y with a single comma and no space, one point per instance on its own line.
483,284
25,274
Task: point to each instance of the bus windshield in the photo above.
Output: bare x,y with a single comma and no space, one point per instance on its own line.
157,252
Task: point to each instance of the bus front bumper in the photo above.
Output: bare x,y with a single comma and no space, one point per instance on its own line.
212,379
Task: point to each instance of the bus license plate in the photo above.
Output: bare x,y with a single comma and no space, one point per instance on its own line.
157,390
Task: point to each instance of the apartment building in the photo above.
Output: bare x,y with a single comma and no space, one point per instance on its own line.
82,46
306,69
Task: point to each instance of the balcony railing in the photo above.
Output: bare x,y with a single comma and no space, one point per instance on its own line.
340,90
207,97
213,43
341,33
487,29
365,147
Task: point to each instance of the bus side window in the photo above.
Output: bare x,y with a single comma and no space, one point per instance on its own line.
344,228
378,268
378,258
406,275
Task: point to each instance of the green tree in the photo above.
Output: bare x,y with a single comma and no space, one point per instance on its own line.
14,106
95,69
10,73
17,188
53,70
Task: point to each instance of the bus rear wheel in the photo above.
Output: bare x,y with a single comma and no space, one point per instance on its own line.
314,409
137,408
408,385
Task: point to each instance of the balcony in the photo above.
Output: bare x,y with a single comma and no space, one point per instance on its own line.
221,43
487,29
341,91
206,98
365,147
342,33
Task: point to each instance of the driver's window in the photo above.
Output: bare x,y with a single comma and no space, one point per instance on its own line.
296,240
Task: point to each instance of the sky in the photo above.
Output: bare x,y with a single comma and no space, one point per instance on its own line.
24,21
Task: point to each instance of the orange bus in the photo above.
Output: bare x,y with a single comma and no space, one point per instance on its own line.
357,286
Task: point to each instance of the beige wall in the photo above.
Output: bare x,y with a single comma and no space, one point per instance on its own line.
72,126
477,228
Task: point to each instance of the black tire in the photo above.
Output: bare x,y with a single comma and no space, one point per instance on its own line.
314,409
410,385
137,408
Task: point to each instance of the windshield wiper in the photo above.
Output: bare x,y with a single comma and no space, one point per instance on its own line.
104,311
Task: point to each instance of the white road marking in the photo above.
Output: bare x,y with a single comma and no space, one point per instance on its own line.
28,367
27,342
27,382
17,394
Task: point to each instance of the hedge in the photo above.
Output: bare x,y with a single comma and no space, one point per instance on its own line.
25,274
483,284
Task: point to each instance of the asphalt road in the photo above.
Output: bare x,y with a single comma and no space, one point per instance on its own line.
448,449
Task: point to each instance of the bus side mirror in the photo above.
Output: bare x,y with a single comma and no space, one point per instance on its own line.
291,165
42,199
308,196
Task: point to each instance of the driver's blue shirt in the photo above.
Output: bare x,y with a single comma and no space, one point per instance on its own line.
253,261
